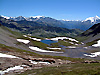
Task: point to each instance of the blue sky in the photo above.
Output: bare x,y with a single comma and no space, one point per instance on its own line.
58,9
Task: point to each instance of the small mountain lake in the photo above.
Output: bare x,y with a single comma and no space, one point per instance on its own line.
48,41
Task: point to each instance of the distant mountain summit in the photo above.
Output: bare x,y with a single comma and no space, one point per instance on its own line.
19,18
93,19
83,25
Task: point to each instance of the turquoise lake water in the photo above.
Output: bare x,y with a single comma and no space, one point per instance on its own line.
48,41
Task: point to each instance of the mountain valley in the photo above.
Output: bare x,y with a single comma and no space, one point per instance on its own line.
39,29
30,46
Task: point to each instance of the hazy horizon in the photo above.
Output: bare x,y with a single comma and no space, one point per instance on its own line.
58,9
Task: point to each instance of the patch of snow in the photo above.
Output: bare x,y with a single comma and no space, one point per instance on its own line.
71,42
76,44
23,65
89,55
97,45
25,35
44,62
35,39
66,20
58,38
93,54
72,39
71,47
7,56
41,50
82,43
37,16
85,47
23,41
32,38
62,38
34,62
5,17
29,34
92,19
54,48
11,69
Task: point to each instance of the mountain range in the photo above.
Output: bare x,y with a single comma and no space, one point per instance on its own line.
41,19
70,24
39,29
83,25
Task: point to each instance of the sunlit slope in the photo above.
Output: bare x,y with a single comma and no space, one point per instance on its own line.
8,37
91,34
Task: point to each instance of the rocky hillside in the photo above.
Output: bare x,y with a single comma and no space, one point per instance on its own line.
94,30
92,33
8,38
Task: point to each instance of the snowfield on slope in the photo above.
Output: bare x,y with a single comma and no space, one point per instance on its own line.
32,38
34,62
93,54
71,47
35,39
97,45
54,48
23,41
7,56
11,69
62,38
41,50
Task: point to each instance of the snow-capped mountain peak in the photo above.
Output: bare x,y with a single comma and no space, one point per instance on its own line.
5,17
97,17
92,19
66,20
14,18
19,18
38,17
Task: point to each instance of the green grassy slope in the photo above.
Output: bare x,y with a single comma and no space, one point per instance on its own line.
68,69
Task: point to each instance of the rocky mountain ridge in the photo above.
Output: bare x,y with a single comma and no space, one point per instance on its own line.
70,24
40,29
